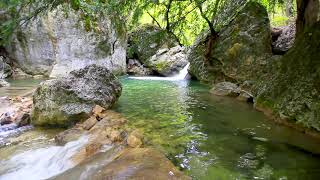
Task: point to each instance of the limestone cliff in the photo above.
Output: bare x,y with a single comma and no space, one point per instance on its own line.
57,43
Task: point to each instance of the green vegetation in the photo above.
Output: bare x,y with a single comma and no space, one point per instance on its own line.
184,19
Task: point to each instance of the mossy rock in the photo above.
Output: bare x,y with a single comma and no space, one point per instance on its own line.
66,101
292,89
238,52
146,40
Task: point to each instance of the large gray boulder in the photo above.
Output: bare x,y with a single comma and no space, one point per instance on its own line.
63,102
240,50
168,62
57,43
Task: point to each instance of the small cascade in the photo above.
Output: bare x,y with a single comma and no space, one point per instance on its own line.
183,74
11,130
41,163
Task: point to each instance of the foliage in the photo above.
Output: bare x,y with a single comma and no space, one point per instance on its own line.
184,19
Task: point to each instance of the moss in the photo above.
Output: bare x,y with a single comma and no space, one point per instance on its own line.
293,86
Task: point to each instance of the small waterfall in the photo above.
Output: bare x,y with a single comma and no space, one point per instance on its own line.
181,76
41,163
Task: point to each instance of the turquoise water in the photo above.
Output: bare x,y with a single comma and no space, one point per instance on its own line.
213,137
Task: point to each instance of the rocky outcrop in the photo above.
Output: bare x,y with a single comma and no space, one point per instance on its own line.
134,67
57,43
283,38
168,62
65,101
291,92
239,51
113,150
146,40
231,90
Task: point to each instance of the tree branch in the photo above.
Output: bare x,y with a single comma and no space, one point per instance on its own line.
154,19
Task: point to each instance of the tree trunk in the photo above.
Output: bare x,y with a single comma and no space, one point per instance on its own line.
308,13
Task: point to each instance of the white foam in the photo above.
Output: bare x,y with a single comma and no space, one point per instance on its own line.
41,163
181,76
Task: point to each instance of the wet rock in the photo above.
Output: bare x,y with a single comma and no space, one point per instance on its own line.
19,74
168,62
4,83
23,119
98,111
65,101
245,96
89,123
283,38
5,68
68,135
134,67
134,139
226,89
146,40
147,162
6,118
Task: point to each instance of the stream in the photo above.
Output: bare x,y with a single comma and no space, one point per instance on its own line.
207,137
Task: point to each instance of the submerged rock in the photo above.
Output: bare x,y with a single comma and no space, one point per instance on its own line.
226,89
239,51
65,101
168,62
146,40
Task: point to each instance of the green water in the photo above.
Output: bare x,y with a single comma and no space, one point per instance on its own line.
213,137
19,87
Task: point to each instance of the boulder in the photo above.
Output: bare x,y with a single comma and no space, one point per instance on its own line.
57,43
292,89
65,101
168,62
4,83
226,89
5,68
283,38
146,40
240,50
134,67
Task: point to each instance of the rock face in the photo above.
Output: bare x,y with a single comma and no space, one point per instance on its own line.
283,38
57,43
5,68
64,101
146,40
168,62
239,50
292,91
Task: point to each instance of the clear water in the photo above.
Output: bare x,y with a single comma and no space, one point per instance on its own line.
19,87
213,137
208,137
